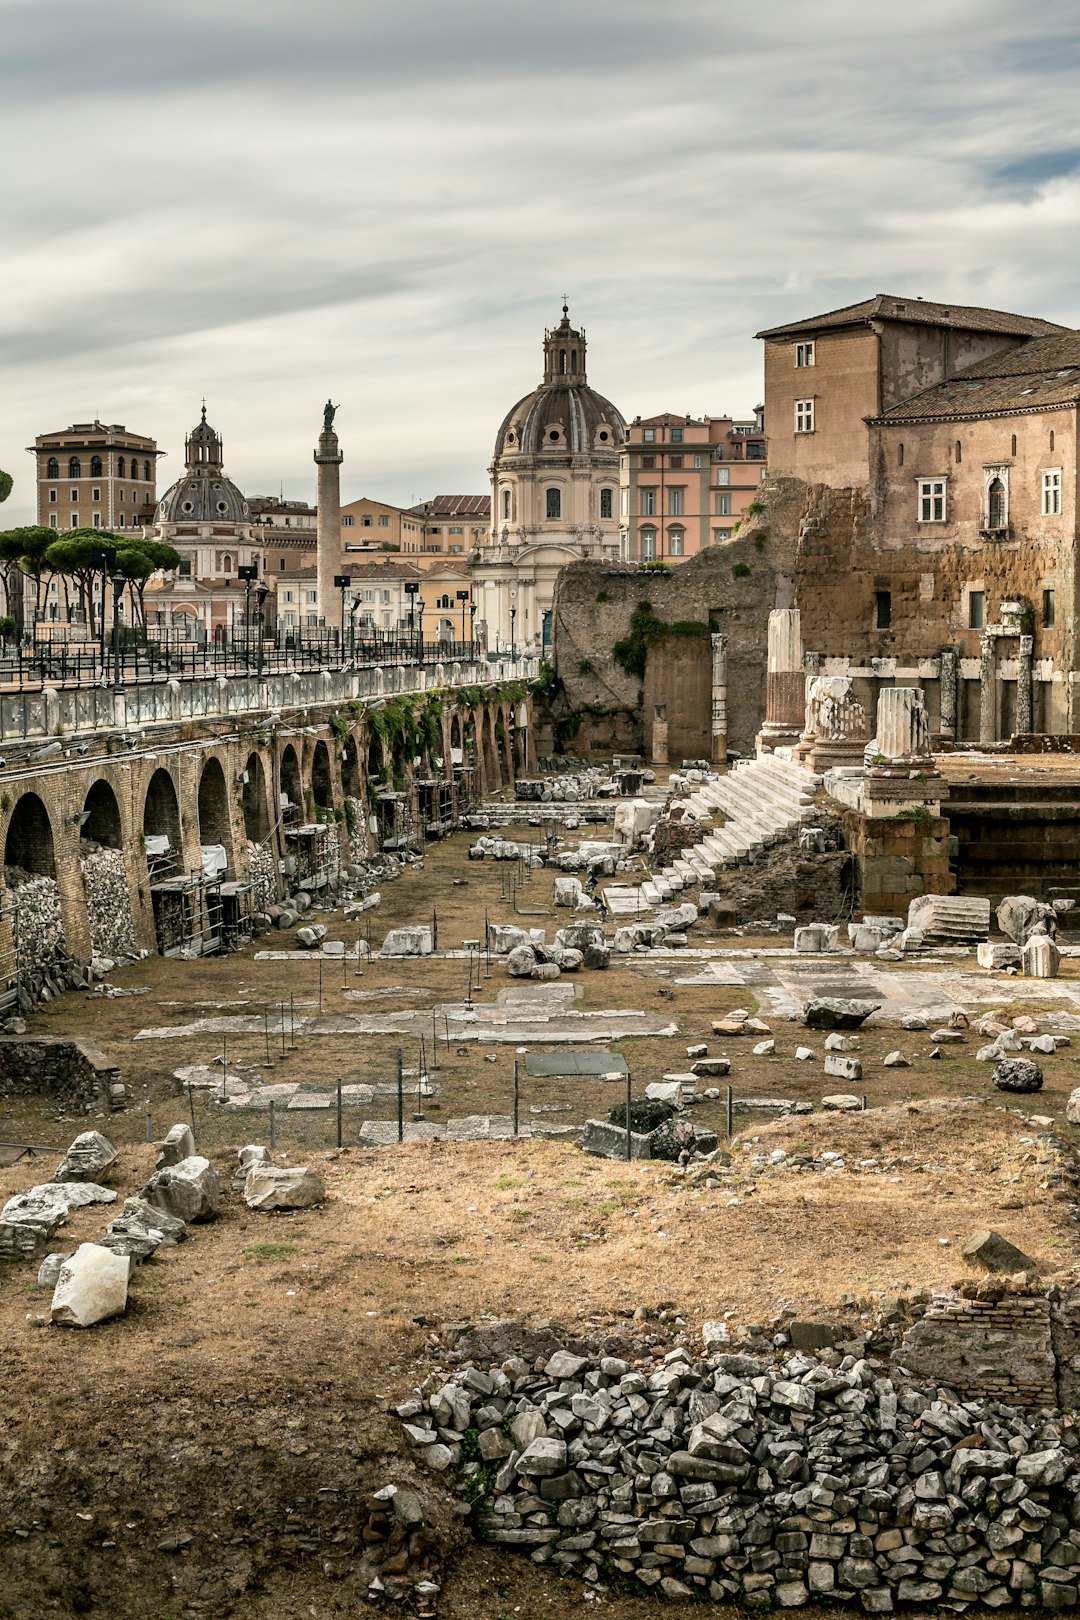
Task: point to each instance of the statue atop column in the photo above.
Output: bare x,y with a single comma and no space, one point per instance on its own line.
329,412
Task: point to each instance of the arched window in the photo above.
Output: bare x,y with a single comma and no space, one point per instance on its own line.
900,455
607,508
444,602
648,545
74,467
959,451
676,543
562,362
146,472
553,503
95,466
226,563
996,504
506,504
121,468
573,360
52,468
1014,444
1051,438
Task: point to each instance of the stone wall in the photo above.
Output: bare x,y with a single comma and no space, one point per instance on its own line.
731,588
897,858
108,906
730,1477
78,1075
36,923
999,1349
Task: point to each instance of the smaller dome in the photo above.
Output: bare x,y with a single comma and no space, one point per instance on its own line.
204,494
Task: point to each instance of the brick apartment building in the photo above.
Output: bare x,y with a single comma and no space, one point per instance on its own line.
686,482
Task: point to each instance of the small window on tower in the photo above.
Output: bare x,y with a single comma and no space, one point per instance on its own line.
883,609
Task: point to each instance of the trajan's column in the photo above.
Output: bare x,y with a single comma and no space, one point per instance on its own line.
328,459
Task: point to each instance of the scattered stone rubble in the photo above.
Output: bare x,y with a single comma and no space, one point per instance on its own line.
772,1483
36,923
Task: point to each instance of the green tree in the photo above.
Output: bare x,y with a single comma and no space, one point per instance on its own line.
139,559
72,557
6,482
24,550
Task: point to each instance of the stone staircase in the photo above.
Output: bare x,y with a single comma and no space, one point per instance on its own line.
763,801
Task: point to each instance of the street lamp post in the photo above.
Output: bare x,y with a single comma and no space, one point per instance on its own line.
513,616
472,628
249,573
342,583
420,622
463,597
103,557
411,587
262,591
118,584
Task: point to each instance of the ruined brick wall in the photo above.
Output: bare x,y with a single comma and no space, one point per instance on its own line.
897,859
731,588
678,690
998,1349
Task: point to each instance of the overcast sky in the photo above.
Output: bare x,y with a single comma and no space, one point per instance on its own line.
273,201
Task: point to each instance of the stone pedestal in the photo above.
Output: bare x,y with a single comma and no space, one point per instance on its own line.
904,778
785,688
328,459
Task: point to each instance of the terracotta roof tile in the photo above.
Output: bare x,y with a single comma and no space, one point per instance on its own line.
1045,371
921,311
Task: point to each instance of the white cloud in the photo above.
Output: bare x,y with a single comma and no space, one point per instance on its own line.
267,203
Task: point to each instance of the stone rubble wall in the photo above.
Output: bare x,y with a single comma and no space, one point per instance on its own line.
356,827
732,1478
108,904
262,870
37,924
78,1075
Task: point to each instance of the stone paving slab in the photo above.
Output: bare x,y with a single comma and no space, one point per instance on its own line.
935,995
484,1026
469,1128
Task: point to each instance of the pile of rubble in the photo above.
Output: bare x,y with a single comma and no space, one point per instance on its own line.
735,1478
262,870
108,907
36,924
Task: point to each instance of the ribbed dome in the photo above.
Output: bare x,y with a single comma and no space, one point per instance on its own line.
561,415
204,498
204,494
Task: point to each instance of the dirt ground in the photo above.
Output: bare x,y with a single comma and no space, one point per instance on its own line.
246,1390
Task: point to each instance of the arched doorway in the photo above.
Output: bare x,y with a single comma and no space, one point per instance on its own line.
214,824
322,782
105,874
30,875
100,823
254,803
291,785
161,825
29,843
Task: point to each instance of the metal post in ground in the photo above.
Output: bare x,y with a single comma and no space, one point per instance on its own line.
400,1100
282,1029
730,1112
434,930
320,980
149,1126
266,1031
446,1027
292,1024
434,1042
628,1087
224,1065
273,1123
517,1094
340,1130
191,1108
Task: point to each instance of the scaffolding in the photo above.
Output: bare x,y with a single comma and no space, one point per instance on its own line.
313,851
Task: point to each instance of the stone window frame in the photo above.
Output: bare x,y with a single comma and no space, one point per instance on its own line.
1052,481
995,472
805,355
804,415
928,492
676,542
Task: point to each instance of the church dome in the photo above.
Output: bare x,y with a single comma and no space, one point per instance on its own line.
564,413
204,494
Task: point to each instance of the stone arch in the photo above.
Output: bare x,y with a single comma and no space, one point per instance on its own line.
489,751
322,777
456,732
292,785
101,822
161,818
29,843
215,826
255,805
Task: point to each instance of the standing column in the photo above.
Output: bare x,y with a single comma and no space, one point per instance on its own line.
988,692
719,700
947,689
785,682
903,730
1024,707
328,459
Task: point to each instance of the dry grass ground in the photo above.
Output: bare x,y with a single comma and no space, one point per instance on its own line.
314,1312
